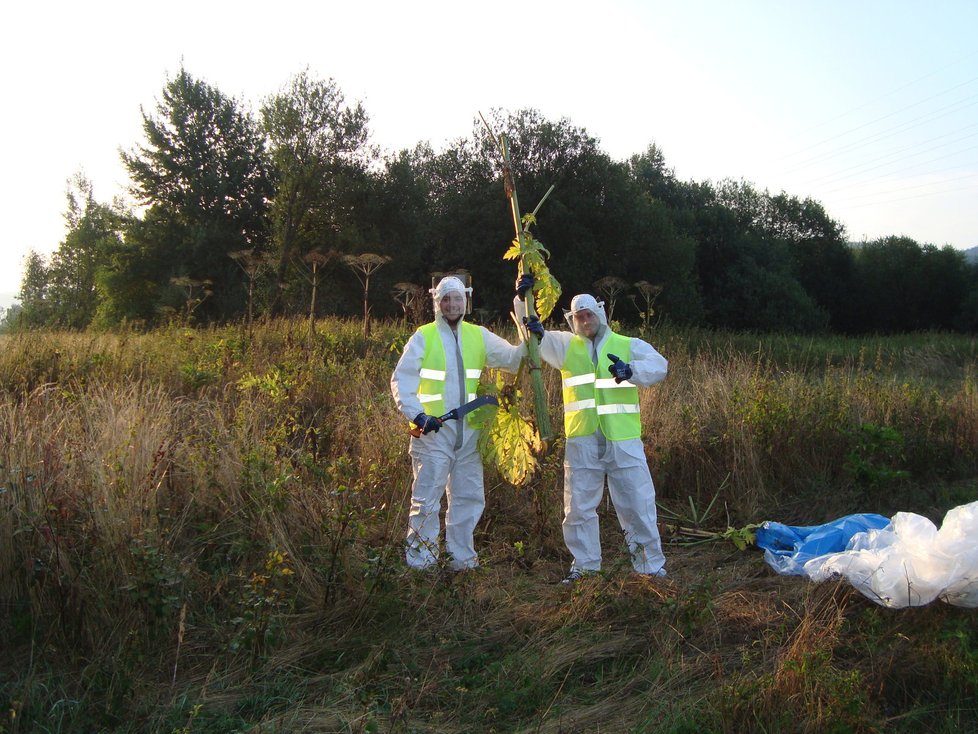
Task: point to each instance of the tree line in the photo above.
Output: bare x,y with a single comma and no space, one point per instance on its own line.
293,210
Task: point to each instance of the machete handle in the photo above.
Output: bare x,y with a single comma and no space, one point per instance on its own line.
452,415
416,432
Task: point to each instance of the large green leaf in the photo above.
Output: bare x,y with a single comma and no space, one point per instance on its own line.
510,442
546,289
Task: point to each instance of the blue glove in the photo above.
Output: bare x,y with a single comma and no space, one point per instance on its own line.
427,423
523,284
619,369
534,326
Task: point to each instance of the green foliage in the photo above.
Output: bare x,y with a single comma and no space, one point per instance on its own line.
213,181
510,443
546,289
276,384
876,455
696,518
317,143
689,528
36,310
694,607
155,582
204,200
263,596
904,286
756,290
64,292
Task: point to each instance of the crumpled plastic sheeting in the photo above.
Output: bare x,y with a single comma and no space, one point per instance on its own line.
787,548
909,562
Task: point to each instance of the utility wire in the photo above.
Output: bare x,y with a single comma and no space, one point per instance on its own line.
890,132
883,96
904,188
906,198
841,175
911,167
882,117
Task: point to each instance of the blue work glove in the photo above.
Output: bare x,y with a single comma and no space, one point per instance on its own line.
427,423
523,284
619,369
534,326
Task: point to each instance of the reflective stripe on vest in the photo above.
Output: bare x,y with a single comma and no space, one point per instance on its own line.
431,389
592,398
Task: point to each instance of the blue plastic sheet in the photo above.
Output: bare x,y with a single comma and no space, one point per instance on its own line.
787,548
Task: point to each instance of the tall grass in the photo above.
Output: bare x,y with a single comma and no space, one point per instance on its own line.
201,531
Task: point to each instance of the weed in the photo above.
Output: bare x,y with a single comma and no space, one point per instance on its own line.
262,599
876,455
155,581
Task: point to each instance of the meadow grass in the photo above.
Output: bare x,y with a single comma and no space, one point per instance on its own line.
201,529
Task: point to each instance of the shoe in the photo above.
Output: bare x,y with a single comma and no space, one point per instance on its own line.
576,575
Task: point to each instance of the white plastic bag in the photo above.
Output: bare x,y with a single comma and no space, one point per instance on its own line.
910,562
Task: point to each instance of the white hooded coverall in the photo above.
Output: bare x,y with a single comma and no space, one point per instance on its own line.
589,459
449,459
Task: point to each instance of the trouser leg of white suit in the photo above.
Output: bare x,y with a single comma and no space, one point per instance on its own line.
633,495
466,501
583,487
431,472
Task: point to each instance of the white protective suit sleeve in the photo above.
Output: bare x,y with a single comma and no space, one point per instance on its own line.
407,377
407,374
648,366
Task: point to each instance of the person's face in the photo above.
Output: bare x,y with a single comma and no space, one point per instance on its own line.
586,323
452,306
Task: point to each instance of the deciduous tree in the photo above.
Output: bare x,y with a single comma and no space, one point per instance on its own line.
204,176
318,143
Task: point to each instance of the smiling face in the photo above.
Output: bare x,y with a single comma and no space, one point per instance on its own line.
452,306
586,323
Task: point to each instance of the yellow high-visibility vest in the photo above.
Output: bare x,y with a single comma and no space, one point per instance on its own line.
431,390
592,398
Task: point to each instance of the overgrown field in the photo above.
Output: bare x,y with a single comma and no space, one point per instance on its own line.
200,531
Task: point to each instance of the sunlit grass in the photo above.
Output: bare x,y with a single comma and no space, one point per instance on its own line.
201,531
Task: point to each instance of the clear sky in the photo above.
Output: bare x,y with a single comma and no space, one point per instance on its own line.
870,107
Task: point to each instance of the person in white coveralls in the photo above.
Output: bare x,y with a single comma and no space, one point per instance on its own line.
438,371
601,372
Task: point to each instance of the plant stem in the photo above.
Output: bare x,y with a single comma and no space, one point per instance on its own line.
533,347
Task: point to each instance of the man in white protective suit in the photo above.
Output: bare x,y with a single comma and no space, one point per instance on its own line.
438,371
601,372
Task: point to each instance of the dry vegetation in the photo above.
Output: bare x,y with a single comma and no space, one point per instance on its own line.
200,532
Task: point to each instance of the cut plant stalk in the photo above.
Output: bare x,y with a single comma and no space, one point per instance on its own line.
740,537
533,347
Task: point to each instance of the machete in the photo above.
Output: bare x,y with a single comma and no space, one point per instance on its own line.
461,411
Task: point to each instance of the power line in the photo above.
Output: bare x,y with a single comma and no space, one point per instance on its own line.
905,188
882,117
882,135
908,198
885,95
917,151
